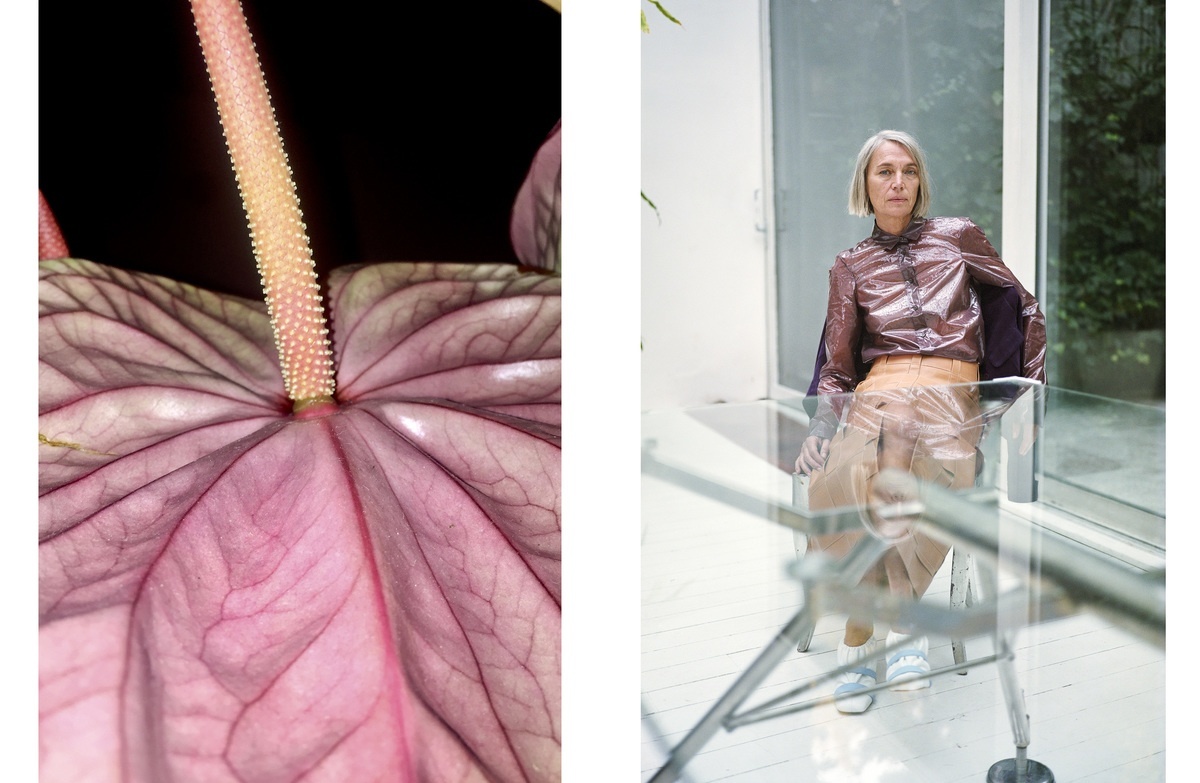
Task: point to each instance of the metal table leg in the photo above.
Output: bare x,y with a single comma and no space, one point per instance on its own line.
1020,768
851,571
783,643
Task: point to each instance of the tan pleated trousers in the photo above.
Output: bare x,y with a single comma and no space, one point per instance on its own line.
905,397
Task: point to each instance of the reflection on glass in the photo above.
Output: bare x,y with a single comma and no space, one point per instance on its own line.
1015,478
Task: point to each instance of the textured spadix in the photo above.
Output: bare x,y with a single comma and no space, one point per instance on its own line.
277,230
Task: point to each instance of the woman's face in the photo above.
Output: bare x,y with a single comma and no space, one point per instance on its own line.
892,185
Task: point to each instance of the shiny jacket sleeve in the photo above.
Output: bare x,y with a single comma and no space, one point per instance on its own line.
985,266
843,332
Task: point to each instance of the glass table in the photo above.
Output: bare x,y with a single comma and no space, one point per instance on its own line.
1052,504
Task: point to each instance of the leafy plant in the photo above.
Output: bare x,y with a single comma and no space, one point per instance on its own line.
280,546
646,29
661,10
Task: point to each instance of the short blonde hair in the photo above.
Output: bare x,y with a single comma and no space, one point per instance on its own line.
860,201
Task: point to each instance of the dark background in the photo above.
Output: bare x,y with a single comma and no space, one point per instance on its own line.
409,128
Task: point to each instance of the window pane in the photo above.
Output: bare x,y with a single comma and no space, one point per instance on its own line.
1106,203
844,69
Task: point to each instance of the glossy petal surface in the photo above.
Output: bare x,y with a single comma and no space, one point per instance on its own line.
536,225
232,593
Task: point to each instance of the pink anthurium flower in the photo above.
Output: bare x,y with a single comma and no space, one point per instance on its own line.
276,547
536,228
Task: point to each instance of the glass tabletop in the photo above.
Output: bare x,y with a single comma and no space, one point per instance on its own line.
1051,502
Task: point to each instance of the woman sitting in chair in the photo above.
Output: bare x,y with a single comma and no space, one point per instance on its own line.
907,307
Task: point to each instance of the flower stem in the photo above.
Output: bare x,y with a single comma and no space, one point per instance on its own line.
277,231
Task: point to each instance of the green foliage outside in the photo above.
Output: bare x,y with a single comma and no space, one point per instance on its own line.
1107,215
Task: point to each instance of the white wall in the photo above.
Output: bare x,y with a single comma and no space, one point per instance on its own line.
703,292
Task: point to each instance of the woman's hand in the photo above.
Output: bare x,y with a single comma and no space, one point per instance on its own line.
812,454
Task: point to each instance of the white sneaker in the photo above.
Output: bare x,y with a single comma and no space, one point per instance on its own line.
909,662
857,679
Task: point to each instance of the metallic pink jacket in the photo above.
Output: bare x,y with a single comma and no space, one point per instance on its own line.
924,292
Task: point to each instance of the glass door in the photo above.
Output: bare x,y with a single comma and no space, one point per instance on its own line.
842,70
1105,296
